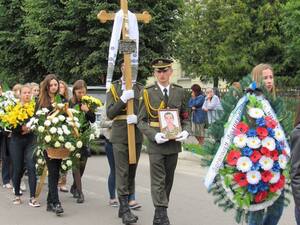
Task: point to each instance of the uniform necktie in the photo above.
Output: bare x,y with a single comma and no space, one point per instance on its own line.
166,97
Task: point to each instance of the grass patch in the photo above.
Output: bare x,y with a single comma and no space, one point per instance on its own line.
194,148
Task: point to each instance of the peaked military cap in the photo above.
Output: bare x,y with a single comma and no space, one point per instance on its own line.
161,64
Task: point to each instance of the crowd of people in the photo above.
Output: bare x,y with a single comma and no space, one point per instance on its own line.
17,145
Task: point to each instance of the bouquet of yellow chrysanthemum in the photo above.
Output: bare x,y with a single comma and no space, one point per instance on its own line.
17,114
91,102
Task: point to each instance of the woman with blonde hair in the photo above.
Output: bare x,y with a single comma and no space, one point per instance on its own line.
263,75
63,89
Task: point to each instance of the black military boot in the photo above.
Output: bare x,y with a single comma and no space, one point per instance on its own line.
156,218
164,219
124,211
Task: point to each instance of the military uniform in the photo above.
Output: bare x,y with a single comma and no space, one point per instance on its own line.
170,133
163,157
116,111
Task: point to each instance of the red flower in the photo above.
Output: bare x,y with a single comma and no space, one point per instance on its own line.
270,122
273,188
260,196
284,152
241,128
232,157
266,176
241,179
274,155
262,132
281,182
265,151
255,156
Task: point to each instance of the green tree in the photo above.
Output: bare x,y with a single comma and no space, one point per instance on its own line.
17,60
291,28
70,41
225,39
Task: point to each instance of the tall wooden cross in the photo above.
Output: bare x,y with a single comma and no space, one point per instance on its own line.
145,17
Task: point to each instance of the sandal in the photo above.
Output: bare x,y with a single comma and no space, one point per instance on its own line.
135,205
114,203
34,203
17,201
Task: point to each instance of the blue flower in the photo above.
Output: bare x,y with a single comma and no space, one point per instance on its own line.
262,186
255,166
261,122
252,133
279,145
276,167
246,151
252,188
271,132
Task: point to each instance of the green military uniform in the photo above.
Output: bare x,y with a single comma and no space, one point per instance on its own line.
170,133
163,157
116,110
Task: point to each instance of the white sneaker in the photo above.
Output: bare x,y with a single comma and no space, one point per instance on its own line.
7,186
23,186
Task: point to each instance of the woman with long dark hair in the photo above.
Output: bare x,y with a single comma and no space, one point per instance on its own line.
79,90
198,114
49,89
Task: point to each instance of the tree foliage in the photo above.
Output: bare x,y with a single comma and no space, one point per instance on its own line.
225,39
66,38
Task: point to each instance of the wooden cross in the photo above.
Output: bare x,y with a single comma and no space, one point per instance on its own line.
145,17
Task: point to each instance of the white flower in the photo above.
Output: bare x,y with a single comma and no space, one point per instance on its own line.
75,119
255,113
72,148
77,124
40,161
279,135
266,163
45,110
47,138
79,144
244,164
92,137
41,129
269,143
55,120
64,127
60,131
69,163
240,140
39,112
253,142
47,123
61,117
253,177
74,111
67,132
275,178
64,167
61,138
57,144
53,130
77,155
68,145
282,159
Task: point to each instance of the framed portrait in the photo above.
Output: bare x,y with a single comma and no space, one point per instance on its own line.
169,122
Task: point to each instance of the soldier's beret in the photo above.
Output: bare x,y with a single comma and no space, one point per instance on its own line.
161,63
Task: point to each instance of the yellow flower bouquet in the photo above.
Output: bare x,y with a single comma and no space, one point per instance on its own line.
91,102
17,114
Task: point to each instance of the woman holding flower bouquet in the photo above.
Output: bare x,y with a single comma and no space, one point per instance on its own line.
49,90
22,145
77,102
263,75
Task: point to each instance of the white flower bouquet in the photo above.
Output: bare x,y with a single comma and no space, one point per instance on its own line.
59,134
